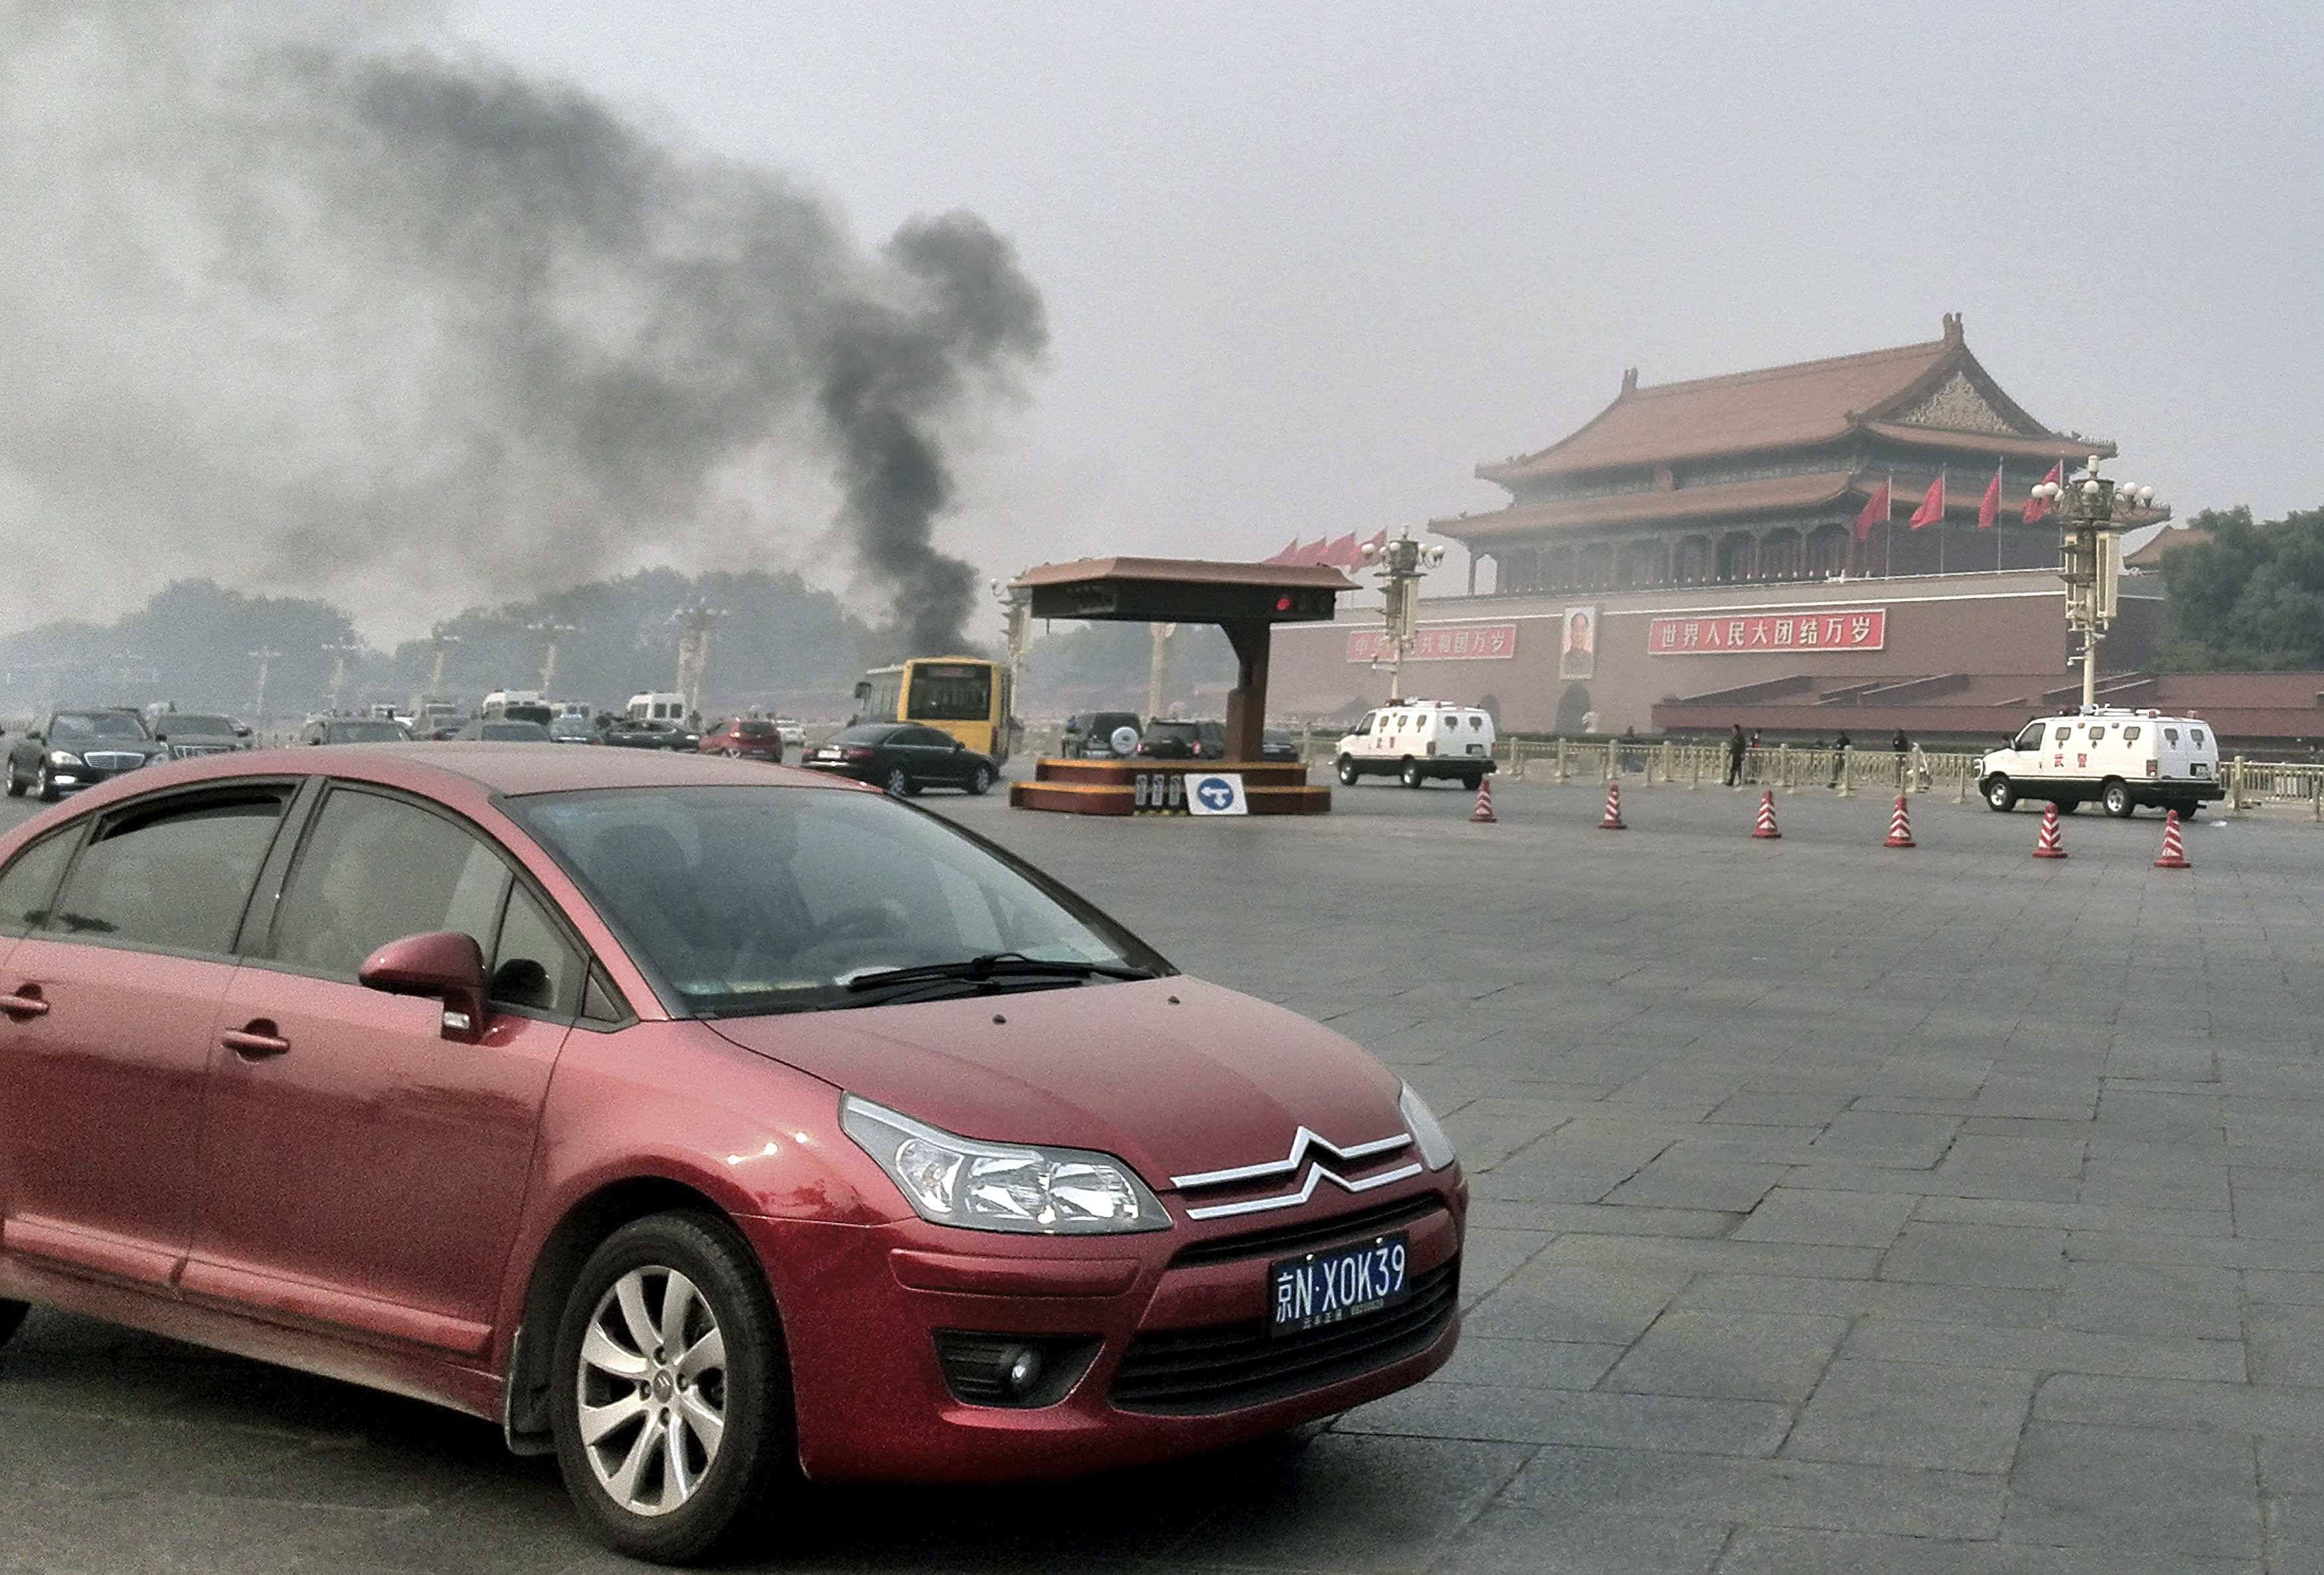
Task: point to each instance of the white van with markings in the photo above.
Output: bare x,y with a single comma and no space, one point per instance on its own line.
2122,758
1416,740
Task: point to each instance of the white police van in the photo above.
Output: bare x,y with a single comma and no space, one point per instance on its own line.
2122,758
1416,740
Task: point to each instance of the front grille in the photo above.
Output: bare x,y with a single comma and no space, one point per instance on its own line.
1197,1372
191,752
1281,1240
113,760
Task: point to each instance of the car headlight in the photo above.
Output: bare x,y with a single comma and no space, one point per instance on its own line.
63,758
991,1186
1436,1146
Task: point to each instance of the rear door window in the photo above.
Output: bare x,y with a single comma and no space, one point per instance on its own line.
2170,736
31,881
375,870
173,877
2130,735
2065,733
2196,735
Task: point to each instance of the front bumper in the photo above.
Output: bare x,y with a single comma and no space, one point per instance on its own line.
861,1307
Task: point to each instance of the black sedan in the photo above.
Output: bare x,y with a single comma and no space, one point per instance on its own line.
1184,741
193,733
348,730
69,750
644,733
902,757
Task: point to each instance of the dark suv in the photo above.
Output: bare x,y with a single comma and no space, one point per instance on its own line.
191,733
1090,732
1184,741
68,749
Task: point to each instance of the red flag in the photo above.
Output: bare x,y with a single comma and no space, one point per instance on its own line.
1875,512
1932,507
1378,544
2037,507
1310,555
1286,555
1340,554
1989,509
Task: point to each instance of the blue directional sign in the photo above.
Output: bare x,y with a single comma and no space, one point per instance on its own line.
1220,793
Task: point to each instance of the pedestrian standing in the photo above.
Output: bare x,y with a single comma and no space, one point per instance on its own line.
1734,747
1839,759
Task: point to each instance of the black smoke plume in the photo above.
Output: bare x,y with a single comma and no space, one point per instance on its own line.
302,305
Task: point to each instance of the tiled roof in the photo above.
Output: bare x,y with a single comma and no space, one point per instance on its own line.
1768,494
1806,403
1988,444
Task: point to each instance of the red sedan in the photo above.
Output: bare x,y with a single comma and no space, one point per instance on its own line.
712,1127
745,738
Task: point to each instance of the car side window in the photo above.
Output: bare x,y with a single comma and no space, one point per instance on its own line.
2170,735
171,876
534,966
31,881
2130,734
2065,733
2031,739
2196,734
375,870
2098,731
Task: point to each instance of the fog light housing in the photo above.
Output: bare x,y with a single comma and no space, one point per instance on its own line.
1015,1371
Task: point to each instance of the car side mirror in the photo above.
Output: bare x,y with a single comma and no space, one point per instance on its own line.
444,963
957,746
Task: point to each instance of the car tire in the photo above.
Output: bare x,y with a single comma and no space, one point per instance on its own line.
622,1301
44,785
979,780
1410,775
731,754
12,1319
2000,793
1347,772
2188,808
2116,797
2067,805
1474,781
898,785
15,783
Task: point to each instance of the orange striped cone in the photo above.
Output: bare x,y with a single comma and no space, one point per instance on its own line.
1613,821
1900,827
1767,827
2051,843
2174,851
1483,814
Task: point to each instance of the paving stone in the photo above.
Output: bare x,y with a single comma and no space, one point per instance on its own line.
2268,1410
1677,1422
1752,1108
1670,1254
1978,1255
1488,1257
1781,1550
1510,1540
2287,1345
1831,1219
2151,1299
1872,1298
2279,1285
2280,1204
1740,1355
1577,1302
2295,1536
1671,1183
2045,1350
1531,1364
1890,1413
1756,1492
2291,1466
1882,1139
2136,1488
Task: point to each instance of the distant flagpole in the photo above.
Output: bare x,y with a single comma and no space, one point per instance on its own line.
1941,518
1888,531
1997,516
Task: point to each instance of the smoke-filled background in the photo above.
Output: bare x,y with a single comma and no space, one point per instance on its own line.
291,302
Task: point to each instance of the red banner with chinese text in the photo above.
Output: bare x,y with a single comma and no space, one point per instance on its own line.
1753,634
1460,643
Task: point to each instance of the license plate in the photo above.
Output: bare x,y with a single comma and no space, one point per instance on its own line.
826,754
1325,1288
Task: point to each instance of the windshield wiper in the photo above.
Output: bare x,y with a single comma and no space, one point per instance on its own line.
992,965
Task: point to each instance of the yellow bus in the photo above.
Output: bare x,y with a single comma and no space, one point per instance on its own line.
965,697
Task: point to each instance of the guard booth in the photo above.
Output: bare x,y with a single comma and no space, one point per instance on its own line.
1246,600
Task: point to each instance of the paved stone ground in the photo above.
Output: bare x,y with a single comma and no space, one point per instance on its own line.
1838,1209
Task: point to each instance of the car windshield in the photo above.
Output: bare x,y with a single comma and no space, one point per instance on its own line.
95,724
754,901
754,730
870,732
1185,732
184,724
365,732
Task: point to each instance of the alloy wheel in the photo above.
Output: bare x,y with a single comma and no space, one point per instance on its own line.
898,783
652,1391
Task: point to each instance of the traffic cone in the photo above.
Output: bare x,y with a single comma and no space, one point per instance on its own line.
1613,821
1900,827
1483,814
2174,851
2051,843
1767,827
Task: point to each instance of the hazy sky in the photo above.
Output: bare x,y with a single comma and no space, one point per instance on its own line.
1305,266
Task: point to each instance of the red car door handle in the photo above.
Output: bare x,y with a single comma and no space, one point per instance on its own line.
23,1005
252,1044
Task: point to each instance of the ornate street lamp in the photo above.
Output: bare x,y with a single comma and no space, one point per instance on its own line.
1400,564
2093,511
